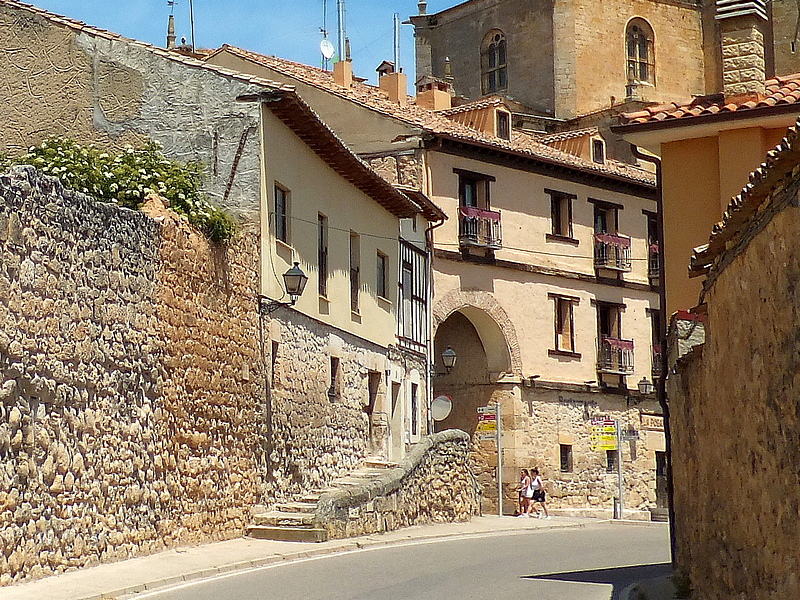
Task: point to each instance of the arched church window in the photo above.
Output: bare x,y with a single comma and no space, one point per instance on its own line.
493,62
641,58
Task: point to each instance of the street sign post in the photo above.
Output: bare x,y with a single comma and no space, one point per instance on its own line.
621,489
489,428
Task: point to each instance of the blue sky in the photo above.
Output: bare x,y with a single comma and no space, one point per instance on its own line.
286,28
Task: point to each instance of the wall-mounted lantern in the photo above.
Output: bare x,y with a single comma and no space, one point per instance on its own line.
294,280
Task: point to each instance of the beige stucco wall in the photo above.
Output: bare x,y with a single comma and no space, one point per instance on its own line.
525,213
700,176
316,189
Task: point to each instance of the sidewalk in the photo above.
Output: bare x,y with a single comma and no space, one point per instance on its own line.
170,567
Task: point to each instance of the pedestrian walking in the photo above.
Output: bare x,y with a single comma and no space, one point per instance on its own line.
537,494
525,493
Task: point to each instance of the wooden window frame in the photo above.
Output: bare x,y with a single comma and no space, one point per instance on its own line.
561,302
282,213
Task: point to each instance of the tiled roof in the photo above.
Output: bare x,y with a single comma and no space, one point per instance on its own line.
551,138
490,102
781,92
437,123
288,106
781,162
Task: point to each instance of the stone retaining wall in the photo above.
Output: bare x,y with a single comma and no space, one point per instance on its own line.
131,384
433,483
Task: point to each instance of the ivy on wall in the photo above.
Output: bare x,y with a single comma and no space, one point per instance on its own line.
127,177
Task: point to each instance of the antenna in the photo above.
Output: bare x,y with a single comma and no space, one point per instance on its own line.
325,47
397,42
342,28
171,4
191,20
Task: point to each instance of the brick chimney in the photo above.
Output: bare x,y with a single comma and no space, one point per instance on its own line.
741,24
396,86
343,73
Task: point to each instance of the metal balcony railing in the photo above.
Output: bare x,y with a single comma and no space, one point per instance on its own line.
654,263
658,361
615,356
480,227
612,251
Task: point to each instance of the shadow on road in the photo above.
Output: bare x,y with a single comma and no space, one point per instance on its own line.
620,577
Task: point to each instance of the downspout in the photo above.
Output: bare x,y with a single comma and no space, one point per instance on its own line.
661,383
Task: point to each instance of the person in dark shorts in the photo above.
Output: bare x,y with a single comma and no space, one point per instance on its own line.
538,494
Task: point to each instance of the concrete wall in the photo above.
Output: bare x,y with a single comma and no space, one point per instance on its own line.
735,421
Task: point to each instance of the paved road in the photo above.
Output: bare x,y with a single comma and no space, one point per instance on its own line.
589,563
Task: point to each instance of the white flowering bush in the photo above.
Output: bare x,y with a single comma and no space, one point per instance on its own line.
127,177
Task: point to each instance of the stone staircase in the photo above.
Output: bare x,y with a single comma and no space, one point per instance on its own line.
295,521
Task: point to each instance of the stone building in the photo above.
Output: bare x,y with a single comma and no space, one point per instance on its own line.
154,386
733,396
544,278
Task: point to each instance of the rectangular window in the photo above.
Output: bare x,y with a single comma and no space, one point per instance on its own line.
611,461
608,321
322,254
333,390
503,125
565,327
599,151
605,219
281,213
561,214
383,275
414,409
566,458
355,271
473,189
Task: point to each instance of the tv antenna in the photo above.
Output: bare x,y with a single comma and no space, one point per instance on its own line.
325,47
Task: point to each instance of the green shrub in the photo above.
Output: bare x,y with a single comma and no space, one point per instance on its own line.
127,177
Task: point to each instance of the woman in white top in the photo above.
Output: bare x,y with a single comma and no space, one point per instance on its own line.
538,494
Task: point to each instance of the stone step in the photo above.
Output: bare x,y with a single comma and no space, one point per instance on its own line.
659,514
311,498
296,507
287,534
277,518
379,463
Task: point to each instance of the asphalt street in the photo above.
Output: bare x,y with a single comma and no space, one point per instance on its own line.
589,563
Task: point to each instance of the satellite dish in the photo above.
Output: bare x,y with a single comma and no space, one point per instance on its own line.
441,407
327,49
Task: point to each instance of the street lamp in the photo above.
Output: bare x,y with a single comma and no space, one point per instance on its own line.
449,359
294,280
645,387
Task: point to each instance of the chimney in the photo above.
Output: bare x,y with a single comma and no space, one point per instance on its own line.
434,98
171,32
741,25
396,86
343,73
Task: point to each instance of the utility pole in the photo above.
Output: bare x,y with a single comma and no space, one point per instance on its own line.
499,463
191,22
620,486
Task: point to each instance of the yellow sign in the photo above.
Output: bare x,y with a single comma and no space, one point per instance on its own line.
603,435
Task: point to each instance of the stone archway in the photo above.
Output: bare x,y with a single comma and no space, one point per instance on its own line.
492,323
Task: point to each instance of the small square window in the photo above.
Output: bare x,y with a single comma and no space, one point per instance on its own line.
566,458
503,125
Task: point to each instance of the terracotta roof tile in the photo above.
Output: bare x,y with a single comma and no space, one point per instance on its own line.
779,91
437,123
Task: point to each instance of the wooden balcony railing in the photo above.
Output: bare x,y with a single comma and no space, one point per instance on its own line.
480,227
615,356
612,251
654,263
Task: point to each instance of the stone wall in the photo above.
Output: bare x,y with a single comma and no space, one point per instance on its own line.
131,408
735,420
432,484
112,91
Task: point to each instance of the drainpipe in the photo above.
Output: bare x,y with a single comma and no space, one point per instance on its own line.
661,383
